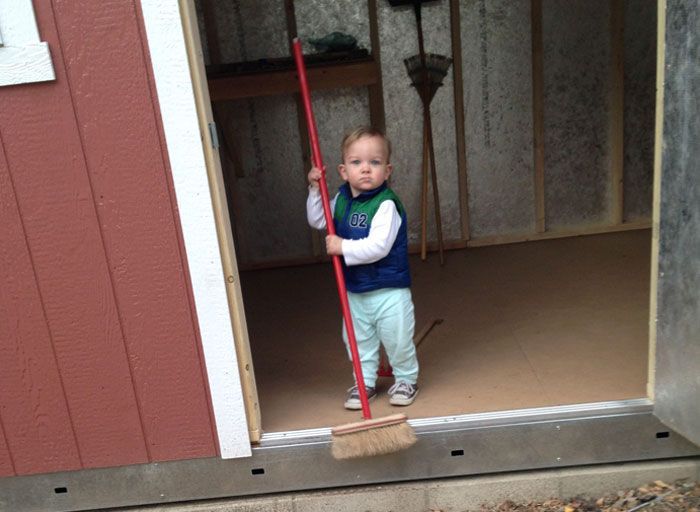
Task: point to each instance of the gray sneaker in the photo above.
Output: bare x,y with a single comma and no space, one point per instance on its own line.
402,393
352,400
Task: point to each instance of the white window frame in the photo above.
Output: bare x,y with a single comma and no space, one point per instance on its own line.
24,58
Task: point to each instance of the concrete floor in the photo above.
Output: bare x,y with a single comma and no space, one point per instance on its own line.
525,325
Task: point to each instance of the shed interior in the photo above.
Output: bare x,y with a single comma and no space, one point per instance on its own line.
544,133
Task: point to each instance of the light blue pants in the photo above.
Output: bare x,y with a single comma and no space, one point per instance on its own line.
384,316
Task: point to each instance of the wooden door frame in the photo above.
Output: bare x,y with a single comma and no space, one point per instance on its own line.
656,201
221,216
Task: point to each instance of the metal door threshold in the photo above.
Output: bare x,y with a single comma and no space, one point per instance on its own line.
479,420
548,437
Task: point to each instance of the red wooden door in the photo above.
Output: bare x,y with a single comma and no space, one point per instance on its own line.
100,358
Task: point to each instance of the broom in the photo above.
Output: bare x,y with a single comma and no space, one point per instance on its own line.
370,436
426,72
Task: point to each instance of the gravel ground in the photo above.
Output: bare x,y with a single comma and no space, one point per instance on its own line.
656,496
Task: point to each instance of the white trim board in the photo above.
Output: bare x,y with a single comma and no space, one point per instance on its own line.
23,57
184,143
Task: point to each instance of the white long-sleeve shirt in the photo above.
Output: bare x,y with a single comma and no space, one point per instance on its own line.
382,232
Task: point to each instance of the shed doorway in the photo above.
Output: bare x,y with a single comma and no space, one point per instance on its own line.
557,320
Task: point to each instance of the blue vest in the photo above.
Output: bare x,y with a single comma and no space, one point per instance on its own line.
352,218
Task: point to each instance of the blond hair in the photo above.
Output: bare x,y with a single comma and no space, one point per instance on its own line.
364,131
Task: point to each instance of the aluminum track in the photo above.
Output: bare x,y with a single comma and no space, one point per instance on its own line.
549,437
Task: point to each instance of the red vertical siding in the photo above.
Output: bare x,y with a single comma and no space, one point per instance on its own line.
95,302
6,468
47,163
128,176
32,404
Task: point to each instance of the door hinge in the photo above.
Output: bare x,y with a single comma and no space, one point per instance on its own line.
214,136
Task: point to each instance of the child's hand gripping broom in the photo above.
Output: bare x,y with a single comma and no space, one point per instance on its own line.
371,436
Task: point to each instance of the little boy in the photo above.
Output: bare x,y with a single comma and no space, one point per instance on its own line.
371,239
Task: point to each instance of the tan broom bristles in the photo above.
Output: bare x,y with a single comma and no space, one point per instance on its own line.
372,437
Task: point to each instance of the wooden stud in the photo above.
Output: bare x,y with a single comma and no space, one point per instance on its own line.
291,20
228,148
376,90
656,208
223,222
462,181
424,197
538,113
617,98
212,31
230,153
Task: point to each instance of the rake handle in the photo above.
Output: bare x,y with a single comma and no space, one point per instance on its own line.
337,267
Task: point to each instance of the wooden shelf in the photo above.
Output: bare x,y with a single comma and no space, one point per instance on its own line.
270,83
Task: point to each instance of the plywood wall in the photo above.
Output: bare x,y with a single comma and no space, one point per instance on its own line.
496,40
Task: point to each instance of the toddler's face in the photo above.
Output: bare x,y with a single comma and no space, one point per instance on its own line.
365,165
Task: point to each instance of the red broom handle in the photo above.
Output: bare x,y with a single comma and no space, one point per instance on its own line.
339,279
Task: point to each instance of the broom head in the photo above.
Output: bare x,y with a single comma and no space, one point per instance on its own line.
372,437
435,70
435,65
399,3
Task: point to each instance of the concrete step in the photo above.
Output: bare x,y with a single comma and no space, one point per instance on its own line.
456,494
